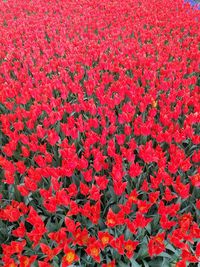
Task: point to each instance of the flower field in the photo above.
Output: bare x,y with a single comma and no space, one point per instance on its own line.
99,133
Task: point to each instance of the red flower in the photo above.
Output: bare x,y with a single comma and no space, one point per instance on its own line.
195,180
62,198
81,237
119,187
133,196
185,221
93,249
187,256
70,225
147,153
131,226
145,186
74,209
110,264
156,245
197,252
101,181
25,261
14,247
141,221
130,247
44,264
181,263
20,231
87,175
50,204
10,262
95,193
11,213
23,190
182,189
20,166
95,212
84,189
113,219
9,177
169,195
72,190
69,257
143,206
50,253
39,228
30,184
176,238
52,137
118,244
59,237
165,223
105,238
153,197
135,170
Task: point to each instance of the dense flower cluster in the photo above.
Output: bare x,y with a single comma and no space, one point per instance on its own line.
99,133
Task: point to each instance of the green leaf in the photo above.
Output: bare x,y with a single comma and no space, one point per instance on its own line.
171,248
148,228
122,264
165,255
128,234
145,263
165,263
142,253
56,262
134,263
157,262
3,109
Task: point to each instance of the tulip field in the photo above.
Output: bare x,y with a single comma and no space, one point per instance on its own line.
99,133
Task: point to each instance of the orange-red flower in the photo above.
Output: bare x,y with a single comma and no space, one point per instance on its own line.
81,237
105,238
130,247
27,261
49,252
69,257
156,244
185,221
93,249
110,264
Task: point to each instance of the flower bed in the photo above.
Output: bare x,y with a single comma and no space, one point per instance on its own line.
99,133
